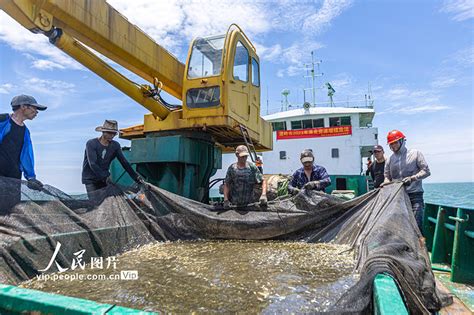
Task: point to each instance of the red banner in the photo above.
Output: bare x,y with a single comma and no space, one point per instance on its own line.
314,132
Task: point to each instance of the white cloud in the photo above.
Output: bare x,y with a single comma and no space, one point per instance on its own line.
49,87
455,70
341,81
401,95
297,56
23,40
271,53
174,23
463,57
43,64
403,99
443,83
6,88
397,93
421,109
323,17
460,10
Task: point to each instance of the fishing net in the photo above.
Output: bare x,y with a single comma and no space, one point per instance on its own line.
379,226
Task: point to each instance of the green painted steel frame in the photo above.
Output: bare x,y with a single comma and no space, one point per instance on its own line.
178,163
449,233
17,301
387,298
358,183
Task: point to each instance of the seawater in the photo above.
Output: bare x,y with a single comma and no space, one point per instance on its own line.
450,194
220,276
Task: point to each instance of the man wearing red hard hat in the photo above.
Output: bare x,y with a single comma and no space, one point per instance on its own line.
409,166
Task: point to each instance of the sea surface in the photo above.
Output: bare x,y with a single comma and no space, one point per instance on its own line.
450,194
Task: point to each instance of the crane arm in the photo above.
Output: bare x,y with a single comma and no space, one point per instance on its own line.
99,26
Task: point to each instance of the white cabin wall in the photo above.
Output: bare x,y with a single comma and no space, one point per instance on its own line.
349,161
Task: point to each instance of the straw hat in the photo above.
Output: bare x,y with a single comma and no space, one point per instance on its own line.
108,126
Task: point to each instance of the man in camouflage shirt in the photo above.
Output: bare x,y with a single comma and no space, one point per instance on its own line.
241,180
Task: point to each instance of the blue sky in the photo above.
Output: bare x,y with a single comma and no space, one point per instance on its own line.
418,57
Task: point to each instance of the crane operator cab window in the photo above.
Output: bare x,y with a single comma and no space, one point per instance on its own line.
206,61
241,63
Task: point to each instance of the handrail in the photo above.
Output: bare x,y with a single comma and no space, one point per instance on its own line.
243,33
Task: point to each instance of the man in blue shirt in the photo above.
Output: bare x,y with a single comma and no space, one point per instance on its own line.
310,176
16,149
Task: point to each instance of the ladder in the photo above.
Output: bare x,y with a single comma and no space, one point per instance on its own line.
248,143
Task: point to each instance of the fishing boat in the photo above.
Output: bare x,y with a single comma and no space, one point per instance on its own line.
340,134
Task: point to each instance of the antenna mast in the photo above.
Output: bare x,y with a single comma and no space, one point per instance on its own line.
313,74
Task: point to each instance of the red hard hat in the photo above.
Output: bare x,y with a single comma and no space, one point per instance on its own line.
394,135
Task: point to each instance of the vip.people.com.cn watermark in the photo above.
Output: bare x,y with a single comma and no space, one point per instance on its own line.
123,275
77,263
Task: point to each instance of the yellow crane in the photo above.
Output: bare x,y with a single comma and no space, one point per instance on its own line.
219,87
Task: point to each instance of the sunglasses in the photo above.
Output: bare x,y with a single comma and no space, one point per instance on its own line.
377,151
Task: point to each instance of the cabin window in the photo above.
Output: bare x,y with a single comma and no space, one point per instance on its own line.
203,97
255,73
318,123
282,155
241,63
335,153
296,124
206,57
279,125
340,121
308,123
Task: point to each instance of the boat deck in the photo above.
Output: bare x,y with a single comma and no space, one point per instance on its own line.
463,295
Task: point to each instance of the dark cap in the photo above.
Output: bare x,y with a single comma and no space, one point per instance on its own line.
377,148
307,156
26,100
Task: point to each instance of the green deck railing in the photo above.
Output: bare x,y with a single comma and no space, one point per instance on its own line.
387,298
14,300
449,233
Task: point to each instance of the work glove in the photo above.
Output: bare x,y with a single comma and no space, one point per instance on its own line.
408,180
263,201
108,180
34,184
312,185
141,183
293,190
226,204
384,183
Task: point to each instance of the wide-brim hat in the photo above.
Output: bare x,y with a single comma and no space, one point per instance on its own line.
108,126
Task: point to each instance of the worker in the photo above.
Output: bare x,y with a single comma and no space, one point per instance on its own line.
310,176
369,164
241,180
16,149
409,166
377,168
99,154
259,163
